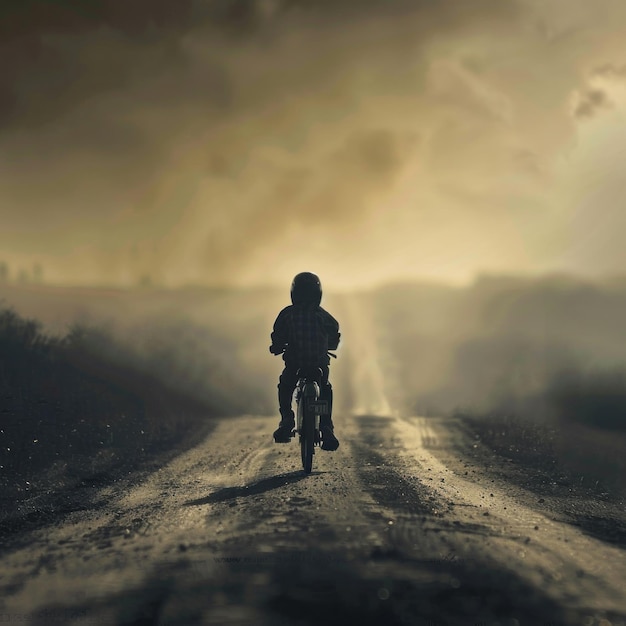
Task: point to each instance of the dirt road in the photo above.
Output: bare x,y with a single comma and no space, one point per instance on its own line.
400,526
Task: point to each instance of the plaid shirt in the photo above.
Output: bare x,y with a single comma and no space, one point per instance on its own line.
306,334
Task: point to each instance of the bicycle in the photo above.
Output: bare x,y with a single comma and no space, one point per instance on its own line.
310,406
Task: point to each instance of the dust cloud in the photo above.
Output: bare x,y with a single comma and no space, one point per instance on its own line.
208,345
497,343
543,352
504,344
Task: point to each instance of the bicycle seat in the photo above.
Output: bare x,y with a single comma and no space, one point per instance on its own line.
311,373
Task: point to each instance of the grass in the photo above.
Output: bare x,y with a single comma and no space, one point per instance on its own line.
567,448
516,438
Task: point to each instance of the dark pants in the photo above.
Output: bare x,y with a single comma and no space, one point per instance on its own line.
287,384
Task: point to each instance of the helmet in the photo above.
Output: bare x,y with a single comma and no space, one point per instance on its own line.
306,289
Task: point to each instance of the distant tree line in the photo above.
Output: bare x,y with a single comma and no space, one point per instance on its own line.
21,275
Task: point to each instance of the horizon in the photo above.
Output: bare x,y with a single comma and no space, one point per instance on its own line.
328,286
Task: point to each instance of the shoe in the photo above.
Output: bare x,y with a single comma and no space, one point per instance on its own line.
284,432
329,441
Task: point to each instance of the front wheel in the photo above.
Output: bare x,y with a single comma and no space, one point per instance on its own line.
307,440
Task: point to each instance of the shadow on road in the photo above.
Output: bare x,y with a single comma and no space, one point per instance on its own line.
322,587
261,486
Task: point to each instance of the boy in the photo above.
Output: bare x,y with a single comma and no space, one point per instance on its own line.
304,333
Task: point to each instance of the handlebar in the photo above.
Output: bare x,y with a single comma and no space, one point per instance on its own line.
279,350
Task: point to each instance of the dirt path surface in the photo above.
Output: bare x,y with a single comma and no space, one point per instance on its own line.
400,526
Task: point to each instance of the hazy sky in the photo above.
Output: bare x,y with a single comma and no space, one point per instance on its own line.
231,141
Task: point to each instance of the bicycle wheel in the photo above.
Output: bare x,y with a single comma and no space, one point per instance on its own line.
307,437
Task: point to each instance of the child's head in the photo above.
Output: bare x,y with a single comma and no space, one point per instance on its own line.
306,288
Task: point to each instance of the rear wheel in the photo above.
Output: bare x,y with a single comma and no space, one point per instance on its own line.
307,440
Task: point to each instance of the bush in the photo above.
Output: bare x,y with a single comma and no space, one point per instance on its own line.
67,398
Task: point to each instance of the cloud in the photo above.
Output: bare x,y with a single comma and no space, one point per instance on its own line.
456,85
197,140
331,195
590,102
609,70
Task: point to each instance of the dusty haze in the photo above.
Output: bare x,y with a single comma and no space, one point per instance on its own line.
231,142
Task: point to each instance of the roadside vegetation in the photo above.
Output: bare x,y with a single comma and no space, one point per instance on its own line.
575,430
536,367
84,403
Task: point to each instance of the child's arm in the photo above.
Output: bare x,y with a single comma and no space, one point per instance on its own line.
332,328
279,334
